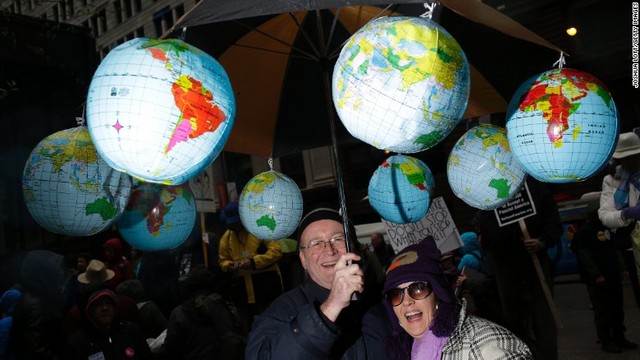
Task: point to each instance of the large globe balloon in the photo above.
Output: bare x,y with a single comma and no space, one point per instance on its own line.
158,217
562,125
481,169
400,189
69,189
270,206
160,110
401,84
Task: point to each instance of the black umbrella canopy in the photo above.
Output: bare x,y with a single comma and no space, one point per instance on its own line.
279,65
212,11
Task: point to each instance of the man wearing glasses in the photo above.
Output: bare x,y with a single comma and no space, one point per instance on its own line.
318,319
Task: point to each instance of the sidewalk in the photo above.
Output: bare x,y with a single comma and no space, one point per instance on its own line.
577,337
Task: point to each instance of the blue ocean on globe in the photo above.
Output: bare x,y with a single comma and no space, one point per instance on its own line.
158,217
562,125
160,110
69,189
481,169
400,189
270,206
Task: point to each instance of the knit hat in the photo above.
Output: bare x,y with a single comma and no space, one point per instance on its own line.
230,213
324,213
421,262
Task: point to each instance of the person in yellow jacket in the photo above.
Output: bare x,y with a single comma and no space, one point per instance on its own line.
252,263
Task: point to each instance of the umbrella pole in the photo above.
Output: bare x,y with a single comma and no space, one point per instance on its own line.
336,159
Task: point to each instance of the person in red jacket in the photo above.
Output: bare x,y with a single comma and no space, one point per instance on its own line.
116,262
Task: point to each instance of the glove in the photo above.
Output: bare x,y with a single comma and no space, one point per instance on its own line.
631,213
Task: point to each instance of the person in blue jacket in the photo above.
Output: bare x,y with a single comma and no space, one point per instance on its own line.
318,319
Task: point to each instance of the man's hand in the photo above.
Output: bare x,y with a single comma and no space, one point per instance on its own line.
347,280
245,264
632,213
532,245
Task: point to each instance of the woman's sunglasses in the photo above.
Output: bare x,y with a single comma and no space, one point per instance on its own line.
417,291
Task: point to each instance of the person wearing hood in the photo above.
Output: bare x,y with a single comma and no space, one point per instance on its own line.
428,322
103,335
8,302
116,262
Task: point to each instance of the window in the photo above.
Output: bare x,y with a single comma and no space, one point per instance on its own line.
140,31
178,11
70,8
128,8
162,20
117,11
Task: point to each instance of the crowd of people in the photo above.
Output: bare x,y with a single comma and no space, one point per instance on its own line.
489,299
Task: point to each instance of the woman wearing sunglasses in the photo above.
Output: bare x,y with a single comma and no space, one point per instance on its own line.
427,321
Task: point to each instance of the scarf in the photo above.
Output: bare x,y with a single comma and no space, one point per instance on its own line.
429,347
621,195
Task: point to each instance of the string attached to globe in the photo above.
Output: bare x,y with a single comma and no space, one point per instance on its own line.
561,62
430,9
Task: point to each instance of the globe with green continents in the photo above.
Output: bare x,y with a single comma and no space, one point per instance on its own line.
401,84
270,206
158,217
400,189
481,169
69,189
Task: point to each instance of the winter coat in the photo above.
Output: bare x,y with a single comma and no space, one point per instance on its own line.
123,340
609,215
479,339
294,328
232,249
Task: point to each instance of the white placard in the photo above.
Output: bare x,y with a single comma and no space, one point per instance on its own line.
437,223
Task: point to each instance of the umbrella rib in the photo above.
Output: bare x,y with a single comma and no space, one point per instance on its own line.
331,32
337,50
306,36
309,55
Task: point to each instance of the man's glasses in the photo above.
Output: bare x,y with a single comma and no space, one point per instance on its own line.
318,246
417,291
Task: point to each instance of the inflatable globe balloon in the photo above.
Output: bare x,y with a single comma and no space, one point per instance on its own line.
160,110
481,169
562,125
69,189
401,84
400,189
270,206
158,217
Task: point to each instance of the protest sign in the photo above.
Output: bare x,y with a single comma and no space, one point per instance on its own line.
520,207
204,192
437,223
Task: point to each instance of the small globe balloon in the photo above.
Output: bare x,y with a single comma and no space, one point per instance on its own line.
481,169
69,189
270,206
158,217
401,84
160,110
562,125
400,189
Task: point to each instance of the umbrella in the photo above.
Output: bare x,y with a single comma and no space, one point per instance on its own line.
279,54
